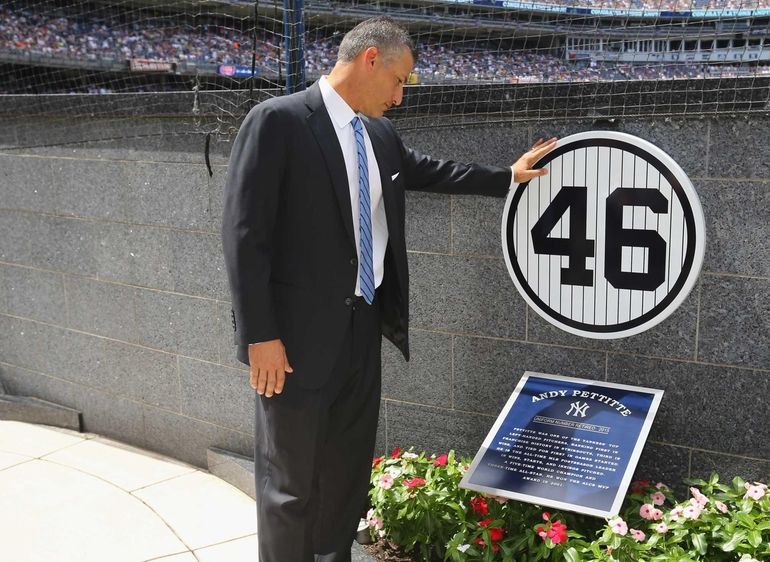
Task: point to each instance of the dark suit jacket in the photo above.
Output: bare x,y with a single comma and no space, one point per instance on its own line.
287,229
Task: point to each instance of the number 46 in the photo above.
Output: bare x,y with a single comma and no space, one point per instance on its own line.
577,247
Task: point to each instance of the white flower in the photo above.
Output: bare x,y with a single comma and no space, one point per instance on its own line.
463,547
409,456
393,471
692,511
747,558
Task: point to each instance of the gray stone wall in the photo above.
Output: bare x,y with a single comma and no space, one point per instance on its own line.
114,299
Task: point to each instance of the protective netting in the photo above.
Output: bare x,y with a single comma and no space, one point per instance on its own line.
480,60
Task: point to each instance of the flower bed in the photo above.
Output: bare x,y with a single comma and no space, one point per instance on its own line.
419,512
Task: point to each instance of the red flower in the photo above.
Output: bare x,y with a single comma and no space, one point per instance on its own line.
376,462
441,460
495,546
546,516
495,534
640,486
414,482
396,453
479,506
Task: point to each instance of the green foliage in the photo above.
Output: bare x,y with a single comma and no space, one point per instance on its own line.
418,506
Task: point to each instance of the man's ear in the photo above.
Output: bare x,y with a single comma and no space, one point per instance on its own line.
370,54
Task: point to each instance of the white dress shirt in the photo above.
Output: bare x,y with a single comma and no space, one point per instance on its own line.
341,115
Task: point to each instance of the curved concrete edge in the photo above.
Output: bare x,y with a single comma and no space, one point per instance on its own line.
29,409
238,471
233,468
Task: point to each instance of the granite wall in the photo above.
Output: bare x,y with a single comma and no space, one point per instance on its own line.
114,299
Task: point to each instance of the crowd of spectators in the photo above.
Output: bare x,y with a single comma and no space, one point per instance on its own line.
27,32
661,5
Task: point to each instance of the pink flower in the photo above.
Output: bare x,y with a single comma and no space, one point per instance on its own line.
658,498
646,511
618,526
556,531
661,528
661,486
441,460
698,497
656,514
720,506
374,520
692,511
754,492
386,481
639,536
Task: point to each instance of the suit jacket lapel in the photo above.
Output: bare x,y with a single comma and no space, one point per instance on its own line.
323,129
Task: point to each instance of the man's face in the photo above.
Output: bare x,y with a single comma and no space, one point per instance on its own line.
385,79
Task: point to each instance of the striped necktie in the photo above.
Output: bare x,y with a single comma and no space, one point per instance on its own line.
365,261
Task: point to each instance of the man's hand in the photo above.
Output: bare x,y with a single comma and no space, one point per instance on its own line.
269,366
522,169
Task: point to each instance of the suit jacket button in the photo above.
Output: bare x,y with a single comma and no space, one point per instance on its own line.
348,301
353,261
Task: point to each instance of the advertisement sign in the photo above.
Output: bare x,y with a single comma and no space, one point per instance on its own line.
237,71
566,443
610,242
147,65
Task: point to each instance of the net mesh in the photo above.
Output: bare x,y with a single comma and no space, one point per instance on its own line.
479,61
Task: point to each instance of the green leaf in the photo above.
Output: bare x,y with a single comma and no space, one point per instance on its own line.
730,545
714,478
699,541
755,538
572,555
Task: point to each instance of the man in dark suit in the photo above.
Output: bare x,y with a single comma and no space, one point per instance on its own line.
313,235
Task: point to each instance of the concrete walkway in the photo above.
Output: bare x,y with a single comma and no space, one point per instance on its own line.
67,496
78,497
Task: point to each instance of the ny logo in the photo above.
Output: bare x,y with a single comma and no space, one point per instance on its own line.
577,409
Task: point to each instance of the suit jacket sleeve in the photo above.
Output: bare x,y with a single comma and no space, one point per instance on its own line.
251,199
421,172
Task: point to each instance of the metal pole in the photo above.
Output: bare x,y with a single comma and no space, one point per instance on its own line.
294,45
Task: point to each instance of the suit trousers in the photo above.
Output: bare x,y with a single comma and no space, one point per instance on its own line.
314,449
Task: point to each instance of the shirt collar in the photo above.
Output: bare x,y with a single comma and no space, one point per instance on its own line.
339,110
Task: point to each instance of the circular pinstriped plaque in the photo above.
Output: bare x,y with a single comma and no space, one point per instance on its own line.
610,242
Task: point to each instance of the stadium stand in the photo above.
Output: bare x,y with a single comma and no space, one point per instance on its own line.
45,39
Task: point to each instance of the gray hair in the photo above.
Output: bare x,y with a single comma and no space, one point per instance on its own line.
382,32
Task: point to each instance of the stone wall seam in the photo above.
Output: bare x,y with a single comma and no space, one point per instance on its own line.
67,317
104,390
735,275
452,373
96,220
691,362
448,410
697,320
